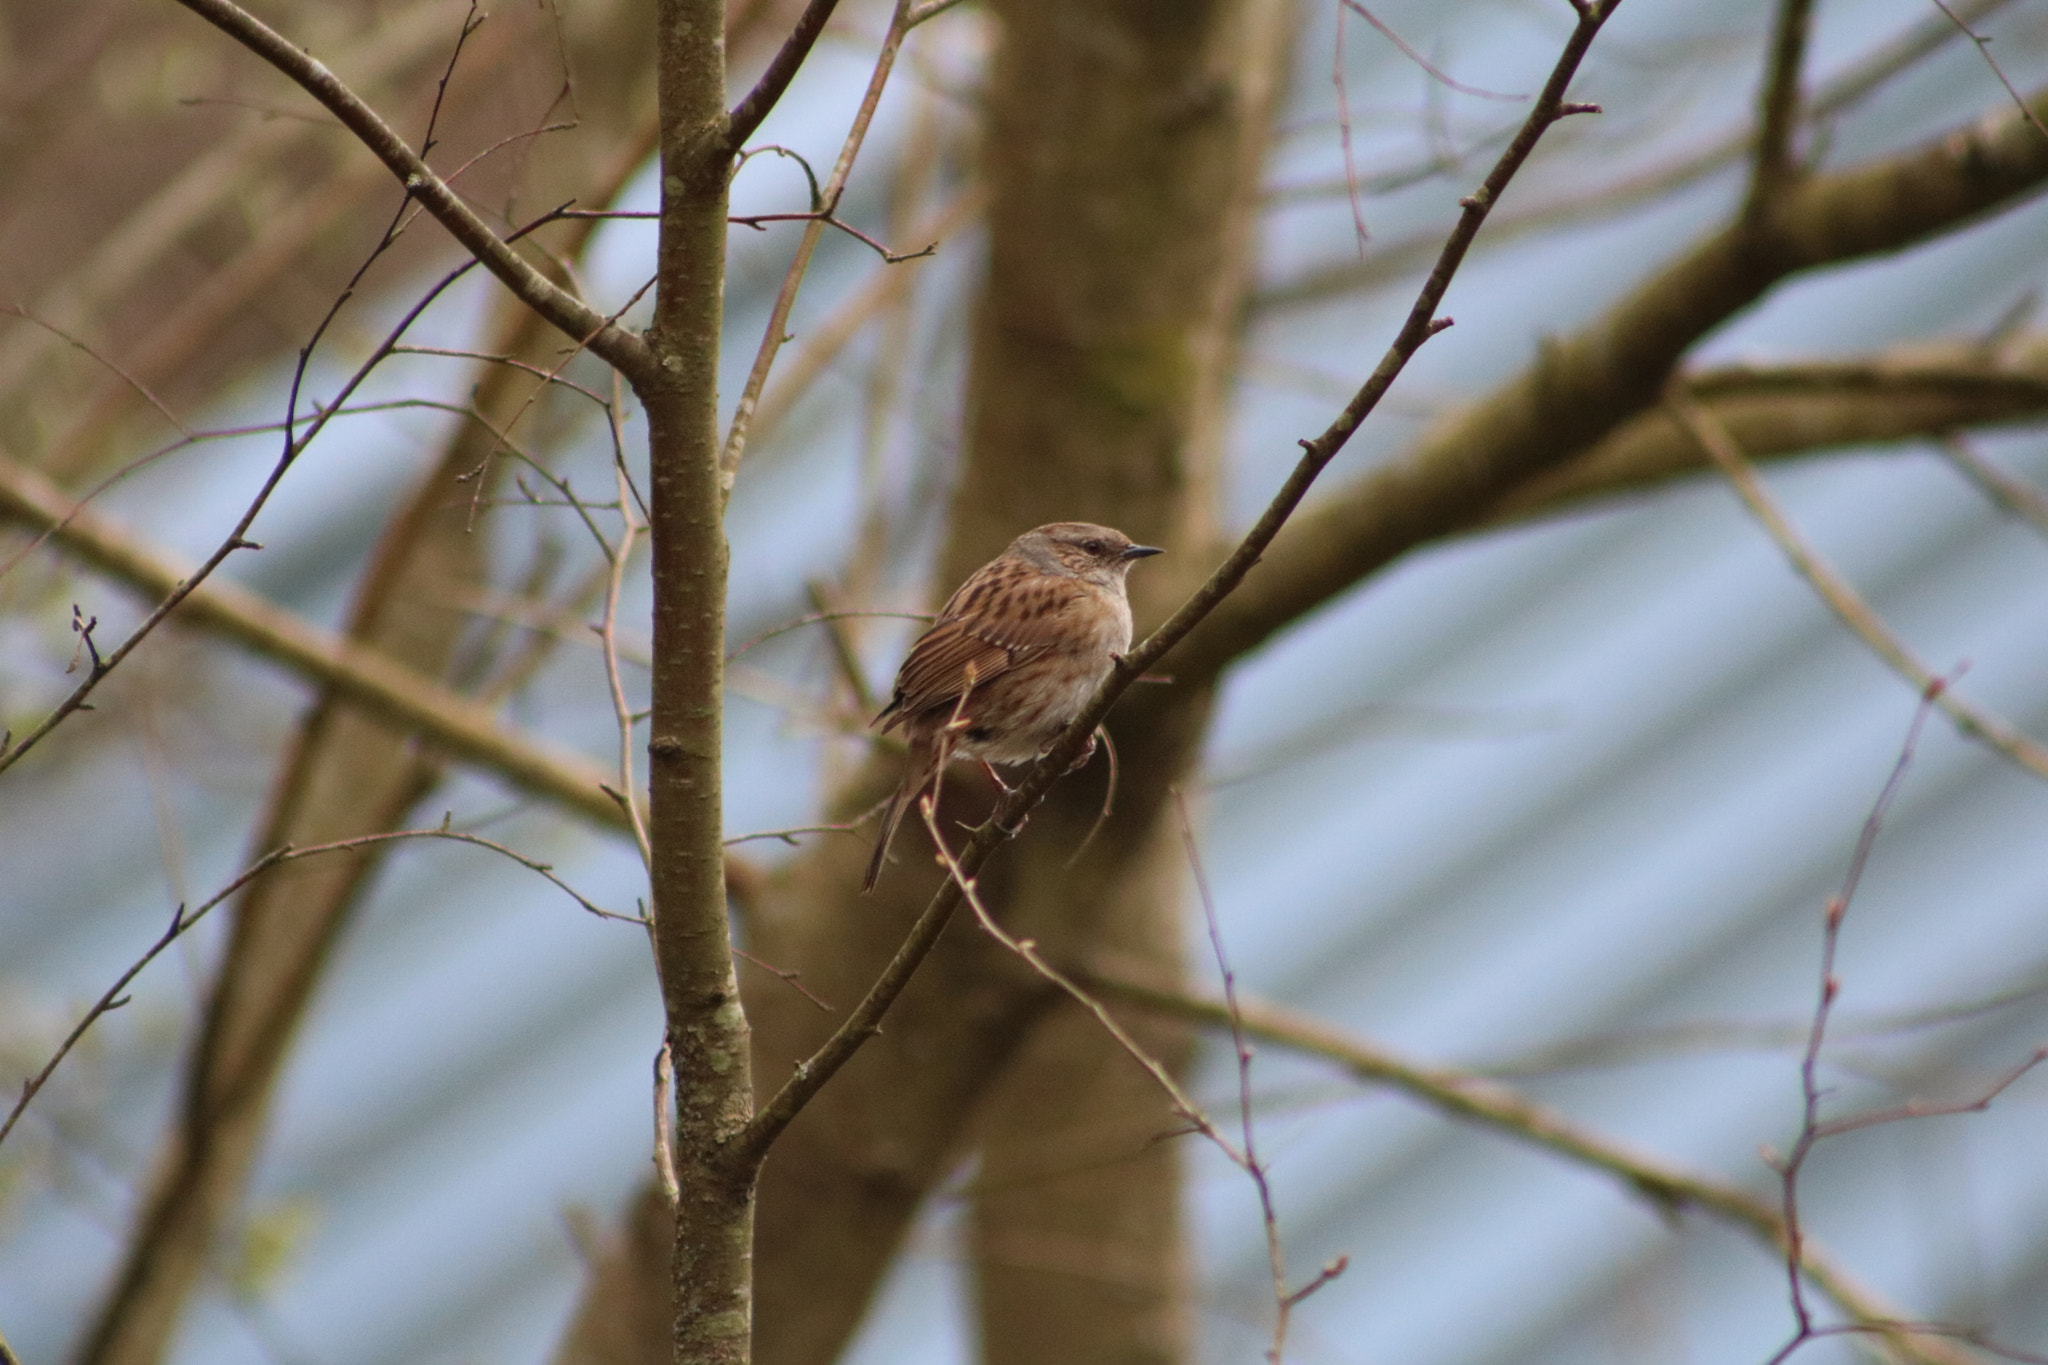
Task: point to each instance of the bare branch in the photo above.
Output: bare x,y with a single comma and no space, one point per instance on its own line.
747,115
785,299
1983,45
824,341
1489,1104
793,978
1778,108
465,729
1830,992
1284,1299
163,409
1439,76
570,314
1928,1109
618,556
1844,600
1774,412
2015,496
183,921
1399,257
1586,385
1027,951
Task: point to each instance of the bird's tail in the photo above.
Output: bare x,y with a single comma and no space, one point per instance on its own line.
916,777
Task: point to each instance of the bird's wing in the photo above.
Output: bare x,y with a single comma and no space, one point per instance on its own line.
972,632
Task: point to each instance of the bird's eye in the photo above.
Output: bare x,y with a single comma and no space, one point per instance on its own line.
1093,547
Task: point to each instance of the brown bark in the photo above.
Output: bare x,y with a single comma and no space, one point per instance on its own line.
705,1024
1805,409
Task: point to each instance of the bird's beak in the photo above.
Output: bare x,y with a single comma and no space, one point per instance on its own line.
1142,552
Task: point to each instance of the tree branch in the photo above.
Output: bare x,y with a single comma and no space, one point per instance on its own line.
1778,109
828,200
1583,387
1474,1099
578,320
1844,601
1397,257
747,115
1915,393
705,1025
401,696
184,919
2014,496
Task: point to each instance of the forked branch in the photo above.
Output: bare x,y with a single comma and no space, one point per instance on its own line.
616,345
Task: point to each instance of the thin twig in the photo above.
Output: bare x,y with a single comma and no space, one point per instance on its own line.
825,339
295,444
183,920
1476,1099
1359,232
759,221
927,9
1026,950
1441,77
1398,257
1812,1128
789,975
1830,991
2012,495
163,409
237,538
1928,1109
618,557
845,655
401,695
1983,45
1284,1299
1854,612
544,374
785,299
822,617
789,835
1108,806
580,321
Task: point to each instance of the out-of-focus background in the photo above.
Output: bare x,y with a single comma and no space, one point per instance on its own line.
1558,801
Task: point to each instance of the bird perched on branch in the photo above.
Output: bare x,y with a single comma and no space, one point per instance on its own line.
1012,659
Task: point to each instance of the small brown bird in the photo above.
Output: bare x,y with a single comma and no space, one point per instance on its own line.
1012,659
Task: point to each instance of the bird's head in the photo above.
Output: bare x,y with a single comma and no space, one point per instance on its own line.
1082,549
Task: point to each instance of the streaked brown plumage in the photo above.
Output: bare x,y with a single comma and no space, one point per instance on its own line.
1013,657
